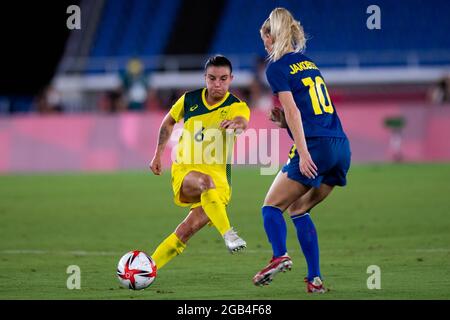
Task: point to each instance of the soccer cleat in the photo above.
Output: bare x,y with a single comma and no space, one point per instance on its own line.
315,286
233,242
276,265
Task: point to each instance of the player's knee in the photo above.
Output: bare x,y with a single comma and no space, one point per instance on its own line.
274,202
206,182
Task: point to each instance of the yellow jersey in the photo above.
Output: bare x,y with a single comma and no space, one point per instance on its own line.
203,145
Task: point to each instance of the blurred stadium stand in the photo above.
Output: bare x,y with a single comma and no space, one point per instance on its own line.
337,32
402,69
338,36
172,38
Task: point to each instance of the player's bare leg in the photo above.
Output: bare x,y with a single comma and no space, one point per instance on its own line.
284,191
200,187
195,220
194,184
310,199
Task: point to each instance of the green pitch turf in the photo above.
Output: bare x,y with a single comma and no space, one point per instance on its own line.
392,216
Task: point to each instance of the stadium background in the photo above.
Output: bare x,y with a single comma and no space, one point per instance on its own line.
74,103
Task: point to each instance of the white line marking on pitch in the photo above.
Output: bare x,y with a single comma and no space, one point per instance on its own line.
95,253
112,253
431,250
75,252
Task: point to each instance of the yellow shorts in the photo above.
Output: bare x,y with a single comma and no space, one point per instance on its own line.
179,172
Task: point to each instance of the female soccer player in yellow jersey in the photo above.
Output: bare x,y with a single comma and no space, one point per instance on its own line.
201,174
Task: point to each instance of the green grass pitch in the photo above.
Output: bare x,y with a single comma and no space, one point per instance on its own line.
393,216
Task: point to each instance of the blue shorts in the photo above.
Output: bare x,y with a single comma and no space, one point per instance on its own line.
331,156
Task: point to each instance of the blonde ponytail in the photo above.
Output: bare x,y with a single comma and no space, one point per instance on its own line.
286,32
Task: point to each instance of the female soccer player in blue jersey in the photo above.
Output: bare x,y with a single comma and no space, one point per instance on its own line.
320,156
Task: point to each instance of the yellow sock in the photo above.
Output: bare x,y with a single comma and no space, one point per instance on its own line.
167,250
215,210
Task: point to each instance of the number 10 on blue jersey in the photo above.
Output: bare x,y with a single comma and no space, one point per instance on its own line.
318,92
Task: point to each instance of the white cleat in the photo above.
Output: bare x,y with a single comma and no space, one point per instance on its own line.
233,242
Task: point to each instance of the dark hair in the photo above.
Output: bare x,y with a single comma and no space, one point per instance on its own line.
218,61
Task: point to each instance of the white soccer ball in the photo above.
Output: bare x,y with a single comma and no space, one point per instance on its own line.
136,270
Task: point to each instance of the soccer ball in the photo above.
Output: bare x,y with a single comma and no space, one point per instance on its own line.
136,270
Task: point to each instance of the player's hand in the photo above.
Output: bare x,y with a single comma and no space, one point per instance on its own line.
277,116
232,125
155,165
307,166
229,124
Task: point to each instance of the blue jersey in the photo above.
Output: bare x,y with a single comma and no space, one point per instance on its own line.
296,73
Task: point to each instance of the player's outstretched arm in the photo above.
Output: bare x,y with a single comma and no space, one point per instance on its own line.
165,131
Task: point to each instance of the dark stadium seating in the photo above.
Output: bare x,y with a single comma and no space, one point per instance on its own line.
137,27
337,30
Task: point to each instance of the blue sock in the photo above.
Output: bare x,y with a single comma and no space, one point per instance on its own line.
276,230
307,236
